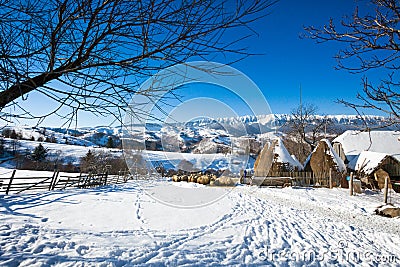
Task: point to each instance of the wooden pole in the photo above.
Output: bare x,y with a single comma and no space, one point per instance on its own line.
10,182
330,178
52,179
55,181
351,184
385,192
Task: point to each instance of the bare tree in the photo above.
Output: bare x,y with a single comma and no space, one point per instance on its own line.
305,129
371,37
92,54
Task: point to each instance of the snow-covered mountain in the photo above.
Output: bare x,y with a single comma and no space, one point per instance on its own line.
221,135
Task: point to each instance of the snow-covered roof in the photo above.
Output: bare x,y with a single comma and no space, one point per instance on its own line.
354,142
367,161
284,155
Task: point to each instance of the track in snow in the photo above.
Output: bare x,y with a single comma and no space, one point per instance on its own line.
255,226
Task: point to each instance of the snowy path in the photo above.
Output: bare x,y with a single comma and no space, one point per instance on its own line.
123,226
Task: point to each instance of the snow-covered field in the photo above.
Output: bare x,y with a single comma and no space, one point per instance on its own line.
125,225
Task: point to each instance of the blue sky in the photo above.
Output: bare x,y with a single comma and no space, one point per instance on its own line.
290,61
287,63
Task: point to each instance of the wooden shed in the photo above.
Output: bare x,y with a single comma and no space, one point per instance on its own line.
372,167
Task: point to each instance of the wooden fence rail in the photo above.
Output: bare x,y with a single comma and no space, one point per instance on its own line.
59,182
298,178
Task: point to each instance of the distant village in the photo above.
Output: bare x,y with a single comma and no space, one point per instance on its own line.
369,156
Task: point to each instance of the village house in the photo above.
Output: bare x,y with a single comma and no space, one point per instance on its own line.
373,167
351,143
371,155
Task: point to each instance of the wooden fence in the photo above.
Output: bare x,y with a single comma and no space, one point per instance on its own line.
299,178
17,185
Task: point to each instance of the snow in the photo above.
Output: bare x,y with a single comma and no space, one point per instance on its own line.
284,155
125,225
171,160
367,161
70,153
354,142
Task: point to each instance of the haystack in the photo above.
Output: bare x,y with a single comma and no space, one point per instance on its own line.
324,162
275,158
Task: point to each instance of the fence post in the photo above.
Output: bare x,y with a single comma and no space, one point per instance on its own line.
79,180
52,179
105,178
10,182
330,178
55,180
351,184
385,192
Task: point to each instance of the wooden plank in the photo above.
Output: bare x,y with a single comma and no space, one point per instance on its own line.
55,180
35,184
10,182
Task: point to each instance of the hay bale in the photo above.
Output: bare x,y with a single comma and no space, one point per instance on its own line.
203,180
380,176
224,181
388,212
192,178
176,178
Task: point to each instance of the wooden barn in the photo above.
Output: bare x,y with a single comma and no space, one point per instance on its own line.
373,167
351,143
325,163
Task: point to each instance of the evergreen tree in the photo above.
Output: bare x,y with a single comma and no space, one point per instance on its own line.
110,142
39,153
13,134
2,146
6,133
88,161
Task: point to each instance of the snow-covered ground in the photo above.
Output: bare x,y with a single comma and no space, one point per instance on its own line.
125,225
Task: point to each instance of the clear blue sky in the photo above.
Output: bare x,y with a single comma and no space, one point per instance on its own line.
287,61
290,61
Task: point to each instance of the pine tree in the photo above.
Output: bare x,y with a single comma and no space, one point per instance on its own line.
88,161
1,146
13,134
110,142
39,153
